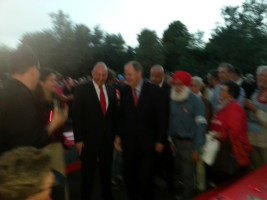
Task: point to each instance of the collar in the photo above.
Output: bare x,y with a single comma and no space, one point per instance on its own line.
161,84
97,86
139,86
239,81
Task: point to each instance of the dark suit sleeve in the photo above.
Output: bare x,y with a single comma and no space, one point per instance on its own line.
115,114
77,113
160,116
120,119
20,125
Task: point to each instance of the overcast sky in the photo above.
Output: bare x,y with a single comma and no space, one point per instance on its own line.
127,17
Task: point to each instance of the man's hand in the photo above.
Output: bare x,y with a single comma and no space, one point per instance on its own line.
159,147
215,135
117,144
79,147
195,157
59,118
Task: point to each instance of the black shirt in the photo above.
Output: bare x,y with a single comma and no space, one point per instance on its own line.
19,122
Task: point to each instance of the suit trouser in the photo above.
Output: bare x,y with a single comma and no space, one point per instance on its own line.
164,166
138,170
89,165
184,166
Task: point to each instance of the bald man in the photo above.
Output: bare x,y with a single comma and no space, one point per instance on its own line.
94,125
164,160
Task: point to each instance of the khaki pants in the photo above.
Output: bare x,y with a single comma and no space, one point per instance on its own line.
57,157
56,152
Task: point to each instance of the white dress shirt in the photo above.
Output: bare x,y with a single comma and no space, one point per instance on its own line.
97,89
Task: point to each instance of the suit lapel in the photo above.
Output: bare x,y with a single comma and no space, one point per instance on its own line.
94,97
109,96
143,92
129,93
141,96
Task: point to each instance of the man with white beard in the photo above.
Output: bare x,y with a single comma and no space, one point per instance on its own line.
187,127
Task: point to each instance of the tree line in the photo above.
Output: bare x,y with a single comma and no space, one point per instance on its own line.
72,49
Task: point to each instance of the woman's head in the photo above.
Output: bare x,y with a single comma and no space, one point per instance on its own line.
48,80
229,90
25,174
197,84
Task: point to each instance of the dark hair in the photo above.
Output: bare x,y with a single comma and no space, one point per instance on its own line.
233,88
229,67
21,60
45,72
39,91
136,65
214,74
237,71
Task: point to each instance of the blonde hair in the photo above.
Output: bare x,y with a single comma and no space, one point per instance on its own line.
198,81
22,172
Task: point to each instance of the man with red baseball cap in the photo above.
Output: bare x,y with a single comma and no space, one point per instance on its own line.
187,127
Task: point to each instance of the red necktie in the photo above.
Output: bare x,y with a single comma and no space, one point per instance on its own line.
135,97
102,100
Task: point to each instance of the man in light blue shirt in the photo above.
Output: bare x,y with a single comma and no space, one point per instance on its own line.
224,73
187,128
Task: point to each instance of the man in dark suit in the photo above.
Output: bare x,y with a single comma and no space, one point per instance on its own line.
164,160
236,76
142,132
94,125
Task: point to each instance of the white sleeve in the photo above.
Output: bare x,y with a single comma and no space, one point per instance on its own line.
262,117
200,120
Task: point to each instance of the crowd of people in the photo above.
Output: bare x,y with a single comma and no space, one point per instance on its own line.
131,128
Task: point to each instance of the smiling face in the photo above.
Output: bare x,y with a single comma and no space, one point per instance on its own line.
156,76
133,77
100,74
224,94
178,85
50,83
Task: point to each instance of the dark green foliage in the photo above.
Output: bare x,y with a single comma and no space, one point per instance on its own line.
242,40
73,49
149,52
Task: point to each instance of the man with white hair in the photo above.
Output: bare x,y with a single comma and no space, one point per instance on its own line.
187,127
257,125
164,160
